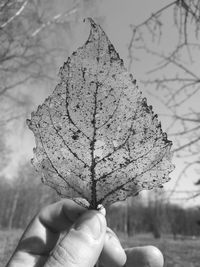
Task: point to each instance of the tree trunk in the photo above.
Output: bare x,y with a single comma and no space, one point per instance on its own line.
13,208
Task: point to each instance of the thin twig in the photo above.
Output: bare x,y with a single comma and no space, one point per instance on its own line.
15,15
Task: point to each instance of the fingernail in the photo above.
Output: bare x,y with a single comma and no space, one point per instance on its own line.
91,223
101,209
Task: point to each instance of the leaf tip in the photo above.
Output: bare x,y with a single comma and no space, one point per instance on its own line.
90,20
95,31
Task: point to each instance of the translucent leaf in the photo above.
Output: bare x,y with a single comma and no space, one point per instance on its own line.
97,140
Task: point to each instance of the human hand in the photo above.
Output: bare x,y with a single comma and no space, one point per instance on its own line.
87,239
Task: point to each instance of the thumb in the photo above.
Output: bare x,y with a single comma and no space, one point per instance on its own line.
82,245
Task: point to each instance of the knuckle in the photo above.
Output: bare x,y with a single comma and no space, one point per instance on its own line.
62,256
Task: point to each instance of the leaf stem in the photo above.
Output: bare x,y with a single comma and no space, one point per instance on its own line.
94,204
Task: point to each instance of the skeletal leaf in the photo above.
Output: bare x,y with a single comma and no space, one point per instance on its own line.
97,140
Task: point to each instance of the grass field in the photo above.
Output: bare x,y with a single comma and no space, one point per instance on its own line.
8,242
177,253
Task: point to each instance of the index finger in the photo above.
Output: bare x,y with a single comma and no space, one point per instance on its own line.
43,233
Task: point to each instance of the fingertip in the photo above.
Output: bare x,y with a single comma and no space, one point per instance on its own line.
156,256
113,255
144,256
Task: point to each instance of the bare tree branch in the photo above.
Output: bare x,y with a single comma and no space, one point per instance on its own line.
18,12
56,19
175,74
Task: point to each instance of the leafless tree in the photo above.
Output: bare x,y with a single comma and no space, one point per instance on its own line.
22,197
22,58
169,37
33,37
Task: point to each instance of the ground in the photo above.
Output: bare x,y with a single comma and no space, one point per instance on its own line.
183,252
8,242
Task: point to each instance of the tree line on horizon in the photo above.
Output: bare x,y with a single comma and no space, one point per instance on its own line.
24,196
